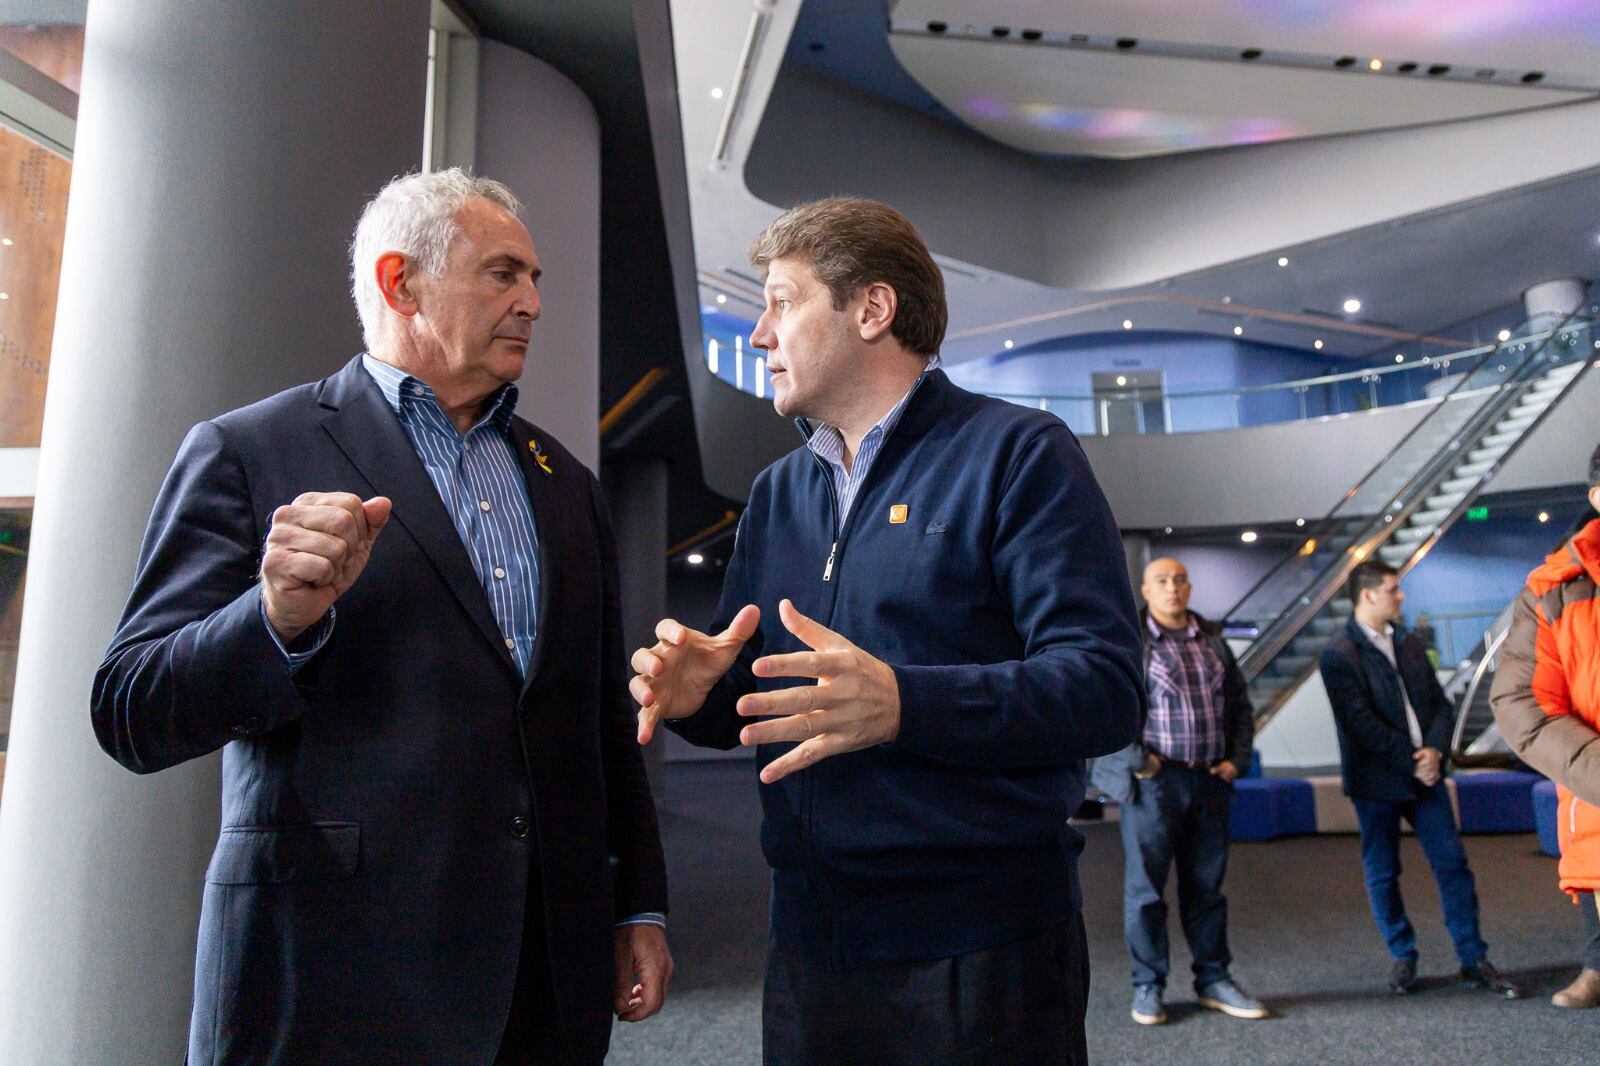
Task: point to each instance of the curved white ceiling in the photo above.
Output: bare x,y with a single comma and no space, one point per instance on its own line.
1089,98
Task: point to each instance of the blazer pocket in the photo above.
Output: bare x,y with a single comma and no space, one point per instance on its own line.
269,855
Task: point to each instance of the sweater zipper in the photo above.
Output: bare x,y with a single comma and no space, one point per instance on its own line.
833,498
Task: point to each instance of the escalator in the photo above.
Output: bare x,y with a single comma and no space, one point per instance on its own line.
1400,509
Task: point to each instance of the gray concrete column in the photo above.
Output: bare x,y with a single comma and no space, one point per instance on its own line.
223,153
1548,302
636,490
1136,551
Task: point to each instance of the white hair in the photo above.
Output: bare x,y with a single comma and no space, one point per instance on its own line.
415,215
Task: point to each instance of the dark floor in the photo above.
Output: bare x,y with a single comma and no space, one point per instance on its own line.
1301,932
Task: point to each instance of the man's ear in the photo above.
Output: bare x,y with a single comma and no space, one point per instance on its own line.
396,276
1594,497
878,303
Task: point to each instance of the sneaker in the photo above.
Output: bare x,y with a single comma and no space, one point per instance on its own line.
1226,996
1403,977
1482,975
1147,1008
1581,994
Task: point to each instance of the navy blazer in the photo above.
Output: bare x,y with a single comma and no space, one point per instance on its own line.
1374,741
383,808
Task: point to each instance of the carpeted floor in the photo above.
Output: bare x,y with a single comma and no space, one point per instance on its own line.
1301,933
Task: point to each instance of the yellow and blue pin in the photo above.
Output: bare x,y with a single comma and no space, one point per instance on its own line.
898,513
539,457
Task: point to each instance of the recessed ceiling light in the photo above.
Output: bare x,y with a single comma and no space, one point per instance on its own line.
695,559
1248,536
1544,516
722,298
1299,521
1352,305
1121,380
1127,323
716,94
1317,345
1238,331
1169,529
1399,358
1504,335
1376,64
1283,260
1010,344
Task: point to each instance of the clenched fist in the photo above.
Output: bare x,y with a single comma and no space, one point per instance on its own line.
318,546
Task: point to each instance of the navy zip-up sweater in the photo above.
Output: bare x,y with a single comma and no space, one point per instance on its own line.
1003,605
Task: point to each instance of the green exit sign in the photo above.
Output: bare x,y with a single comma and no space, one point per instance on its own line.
1477,514
5,536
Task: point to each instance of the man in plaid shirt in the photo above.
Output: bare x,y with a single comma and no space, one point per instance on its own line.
1175,785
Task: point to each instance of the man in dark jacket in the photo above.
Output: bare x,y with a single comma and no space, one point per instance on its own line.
1394,725
931,602
1174,786
438,842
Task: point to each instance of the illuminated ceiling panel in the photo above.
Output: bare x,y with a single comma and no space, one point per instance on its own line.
1558,37
1069,100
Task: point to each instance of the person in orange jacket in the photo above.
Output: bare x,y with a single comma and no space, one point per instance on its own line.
1546,699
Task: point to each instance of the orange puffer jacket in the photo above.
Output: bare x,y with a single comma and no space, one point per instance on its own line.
1546,694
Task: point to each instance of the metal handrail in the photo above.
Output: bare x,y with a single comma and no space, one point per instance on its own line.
1457,754
1427,362
1277,634
1327,522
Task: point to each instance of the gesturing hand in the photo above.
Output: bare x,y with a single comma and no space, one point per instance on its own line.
673,677
854,704
318,546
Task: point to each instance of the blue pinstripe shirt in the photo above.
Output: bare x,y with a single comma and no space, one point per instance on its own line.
481,485
828,443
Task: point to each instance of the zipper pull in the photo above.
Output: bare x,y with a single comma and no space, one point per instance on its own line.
827,571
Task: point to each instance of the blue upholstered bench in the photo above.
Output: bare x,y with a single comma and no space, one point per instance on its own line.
1499,801
1544,817
1265,808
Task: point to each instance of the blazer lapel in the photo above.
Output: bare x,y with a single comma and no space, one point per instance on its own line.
549,525
365,428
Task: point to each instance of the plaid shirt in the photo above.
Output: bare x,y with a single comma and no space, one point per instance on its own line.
1184,679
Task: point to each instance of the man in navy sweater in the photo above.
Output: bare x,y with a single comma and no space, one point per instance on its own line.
925,628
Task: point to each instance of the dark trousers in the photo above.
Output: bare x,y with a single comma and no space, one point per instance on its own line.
1179,817
1017,1003
1434,821
535,1034
1589,916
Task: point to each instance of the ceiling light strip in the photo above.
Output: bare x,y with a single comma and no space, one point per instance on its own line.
741,80
1367,66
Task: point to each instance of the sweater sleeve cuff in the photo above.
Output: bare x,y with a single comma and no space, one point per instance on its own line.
924,729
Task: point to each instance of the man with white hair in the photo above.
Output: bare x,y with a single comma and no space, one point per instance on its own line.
393,604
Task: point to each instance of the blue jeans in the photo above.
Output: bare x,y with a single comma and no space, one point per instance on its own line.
1434,821
1179,817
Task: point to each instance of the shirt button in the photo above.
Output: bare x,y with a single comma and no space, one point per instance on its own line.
499,571
483,504
512,644
519,827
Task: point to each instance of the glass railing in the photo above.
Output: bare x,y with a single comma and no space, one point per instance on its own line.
1152,410
1147,410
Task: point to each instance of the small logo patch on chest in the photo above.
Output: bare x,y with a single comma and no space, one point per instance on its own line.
898,513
